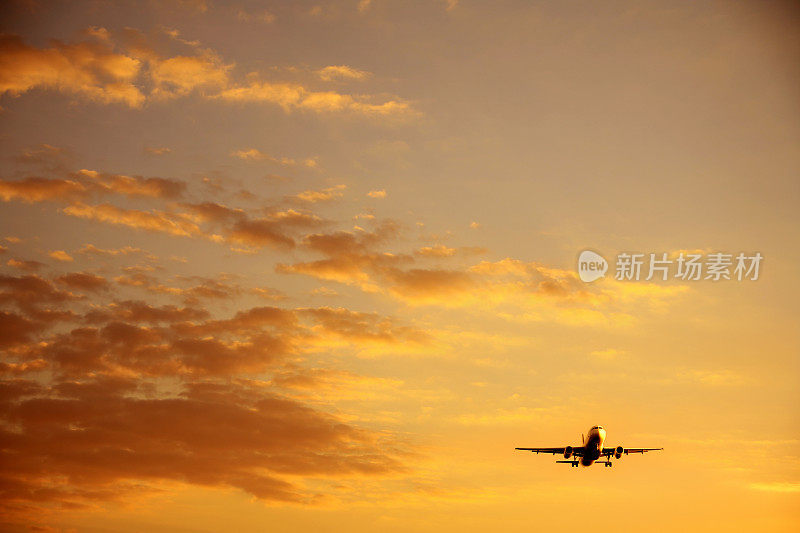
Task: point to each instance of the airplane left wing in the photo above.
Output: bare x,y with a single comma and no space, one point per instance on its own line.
640,450
626,451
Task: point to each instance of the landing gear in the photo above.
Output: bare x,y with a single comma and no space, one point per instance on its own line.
608,464
574,464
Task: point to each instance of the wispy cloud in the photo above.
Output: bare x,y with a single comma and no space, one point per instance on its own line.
131,72
777,486
341,72
253,154
103,71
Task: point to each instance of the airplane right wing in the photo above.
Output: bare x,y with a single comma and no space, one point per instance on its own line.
576,450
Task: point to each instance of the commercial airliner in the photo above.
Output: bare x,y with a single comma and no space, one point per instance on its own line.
591,450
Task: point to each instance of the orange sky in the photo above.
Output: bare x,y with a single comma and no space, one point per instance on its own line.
311,265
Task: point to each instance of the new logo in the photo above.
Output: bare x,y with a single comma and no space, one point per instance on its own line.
591,266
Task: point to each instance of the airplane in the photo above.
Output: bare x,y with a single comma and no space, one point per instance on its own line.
591,450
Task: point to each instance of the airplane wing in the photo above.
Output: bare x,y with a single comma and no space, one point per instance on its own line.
576,450
640,450
626,451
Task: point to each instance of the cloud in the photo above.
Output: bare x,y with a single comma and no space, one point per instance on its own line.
534,291
361,327
237,227
163,150
27,265
777,486
131,337
92,437
295,97
15,329
351,256
377,194
133,186
180,75
262,16
260,232
84,281
207,220
440,250
324,291
61,255
711,378
173,224
95,70
37,297
40,189
341,72
242,231
252,154
141,312
429,285
324,195
608,354
88,69
91,249
85,418
45,156
200,288
88,183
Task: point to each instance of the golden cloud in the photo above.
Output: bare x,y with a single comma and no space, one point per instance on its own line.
84,281
293,97
88,183
180,75
94,70
23,264
88,69
324,195
253,154
61,255
534,291
40,189
134,218
341,72
89,424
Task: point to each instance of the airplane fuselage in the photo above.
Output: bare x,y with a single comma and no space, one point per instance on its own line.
594,446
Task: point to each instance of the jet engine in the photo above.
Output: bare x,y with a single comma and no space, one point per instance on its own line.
618,452
567,452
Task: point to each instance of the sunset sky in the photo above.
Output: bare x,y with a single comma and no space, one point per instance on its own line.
311,266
